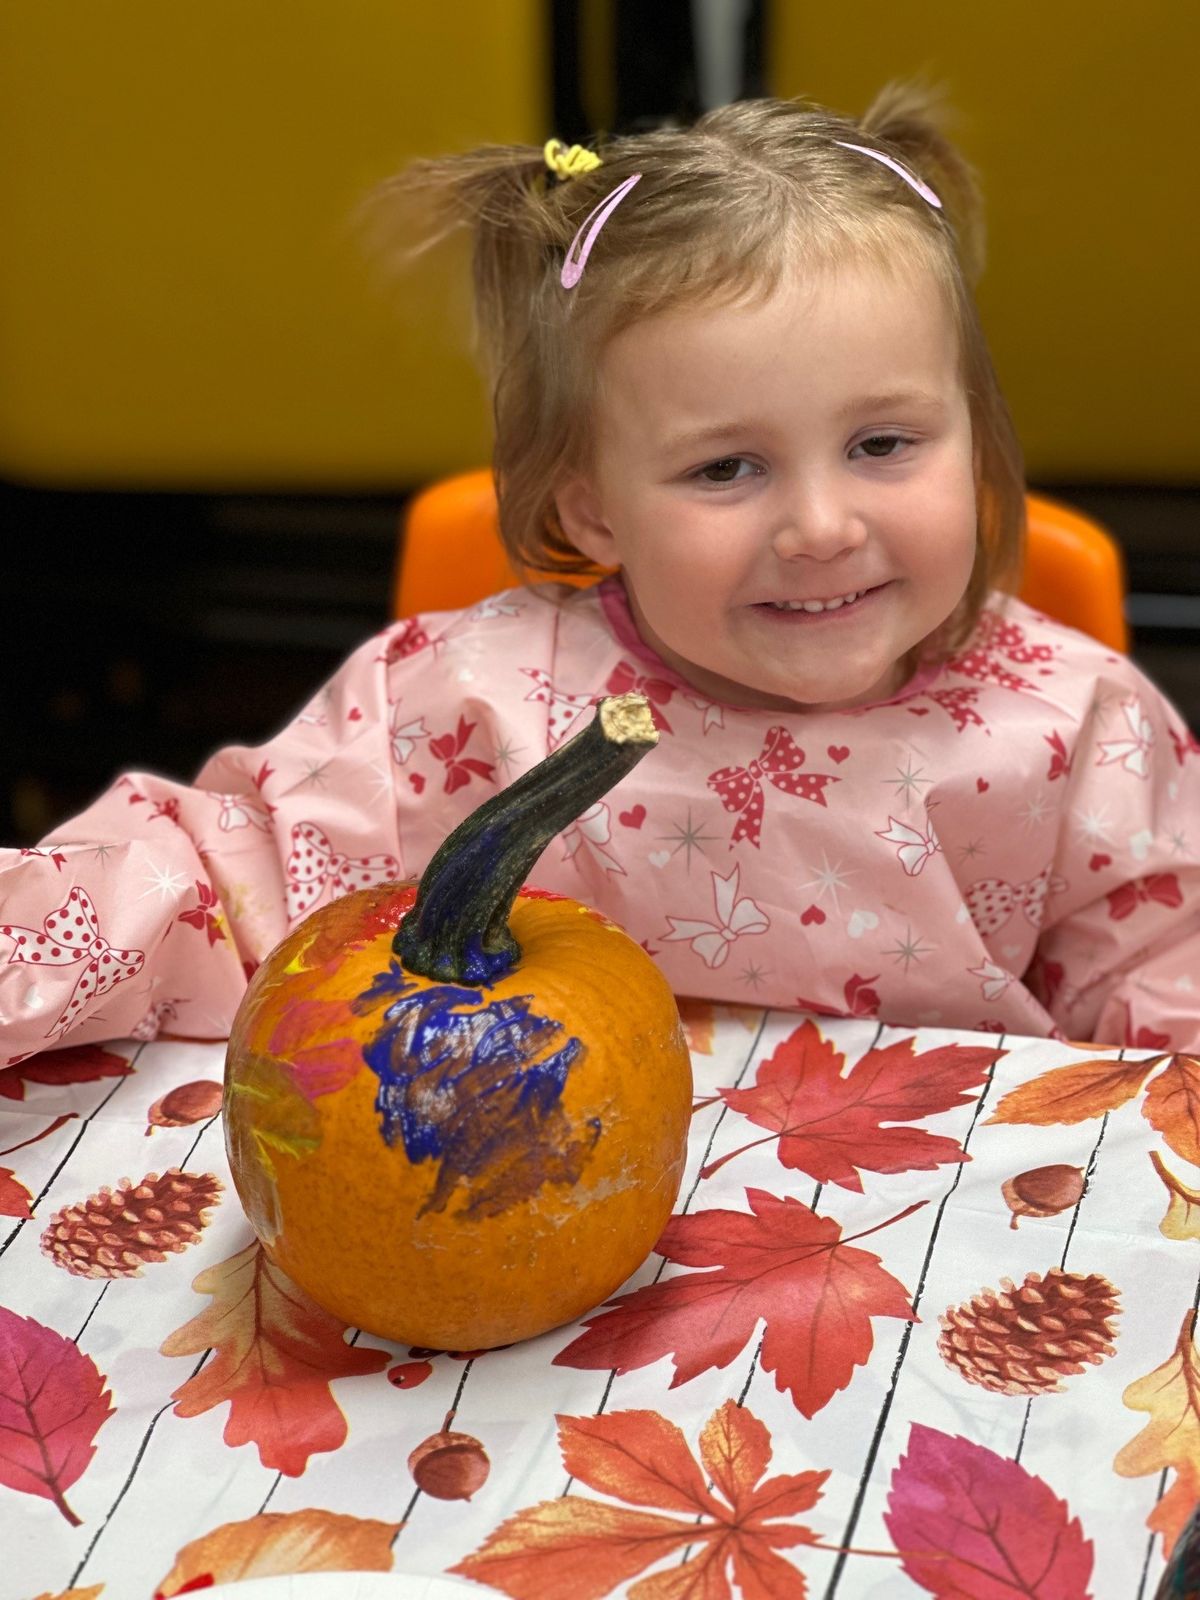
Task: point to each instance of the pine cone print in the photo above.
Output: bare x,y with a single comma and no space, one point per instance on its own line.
1026,1340
114,1233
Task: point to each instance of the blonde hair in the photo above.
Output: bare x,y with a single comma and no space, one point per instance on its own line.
723,209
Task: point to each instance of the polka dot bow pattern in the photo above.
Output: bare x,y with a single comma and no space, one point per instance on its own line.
314,865
71,937
741,790
992,901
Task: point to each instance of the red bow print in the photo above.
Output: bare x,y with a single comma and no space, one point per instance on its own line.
202,914
405,639
624,680
993,639
1160,886
959,705
71,937
448,747
315,865
168,808
1060,761
740,788
52,854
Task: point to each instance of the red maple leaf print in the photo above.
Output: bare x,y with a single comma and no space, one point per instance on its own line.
829,1122
970,1523
52,1404
1185,744
780,1263
448,748
78,1063
201,914
574,1548
741,788
1060,761
15,1198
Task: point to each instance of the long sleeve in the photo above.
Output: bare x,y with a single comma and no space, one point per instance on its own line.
148,911
1119,959
1010,845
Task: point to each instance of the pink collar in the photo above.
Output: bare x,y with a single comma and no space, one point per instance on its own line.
615,602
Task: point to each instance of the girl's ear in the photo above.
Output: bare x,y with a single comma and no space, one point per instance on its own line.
582,520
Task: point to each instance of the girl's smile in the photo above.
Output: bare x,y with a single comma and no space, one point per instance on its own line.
788,486
816,610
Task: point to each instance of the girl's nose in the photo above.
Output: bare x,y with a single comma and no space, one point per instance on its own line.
815,520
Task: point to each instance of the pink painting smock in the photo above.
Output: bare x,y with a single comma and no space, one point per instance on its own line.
1010,843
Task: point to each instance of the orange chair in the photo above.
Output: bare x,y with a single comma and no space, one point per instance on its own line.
1074,571
451,556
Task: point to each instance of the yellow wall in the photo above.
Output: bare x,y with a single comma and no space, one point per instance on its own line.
1081,118
180,304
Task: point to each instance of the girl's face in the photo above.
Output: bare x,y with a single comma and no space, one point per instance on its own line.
787,486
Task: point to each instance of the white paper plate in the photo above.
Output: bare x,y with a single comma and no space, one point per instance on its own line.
347,1586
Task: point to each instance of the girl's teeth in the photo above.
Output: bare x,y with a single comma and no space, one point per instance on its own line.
815,605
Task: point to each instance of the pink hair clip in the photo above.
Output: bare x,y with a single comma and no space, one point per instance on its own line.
910,178
576,257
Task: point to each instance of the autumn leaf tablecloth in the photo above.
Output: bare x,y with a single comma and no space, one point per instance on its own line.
922,1324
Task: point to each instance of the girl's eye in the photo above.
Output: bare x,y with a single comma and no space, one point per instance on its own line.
726,470
881,445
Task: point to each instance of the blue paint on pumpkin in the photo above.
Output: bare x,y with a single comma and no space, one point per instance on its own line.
485,966
476,1087
384,986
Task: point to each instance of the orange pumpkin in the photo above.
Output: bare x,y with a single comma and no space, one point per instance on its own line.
457,1115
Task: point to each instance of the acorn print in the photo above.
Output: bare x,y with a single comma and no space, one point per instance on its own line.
190,1102
1043,1191
1025,1340
449,1466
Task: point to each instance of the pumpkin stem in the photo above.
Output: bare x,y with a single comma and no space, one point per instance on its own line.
458,927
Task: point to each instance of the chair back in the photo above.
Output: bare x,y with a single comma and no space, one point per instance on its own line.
451,555
1074,571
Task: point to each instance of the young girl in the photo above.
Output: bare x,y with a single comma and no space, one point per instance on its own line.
741,365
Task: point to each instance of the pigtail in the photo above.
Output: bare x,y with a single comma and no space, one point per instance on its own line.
910,118
520,219
497,194
723,212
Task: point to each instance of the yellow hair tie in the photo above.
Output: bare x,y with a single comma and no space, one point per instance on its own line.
569,163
